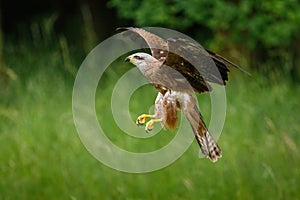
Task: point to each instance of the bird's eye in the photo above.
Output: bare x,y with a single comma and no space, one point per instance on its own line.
138,57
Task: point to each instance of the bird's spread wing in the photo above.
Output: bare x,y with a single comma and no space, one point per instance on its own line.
197,64
158,46
198,60
190,60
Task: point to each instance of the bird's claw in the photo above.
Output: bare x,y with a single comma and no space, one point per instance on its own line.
149,126
142,119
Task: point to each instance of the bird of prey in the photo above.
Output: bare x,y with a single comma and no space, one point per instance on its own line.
177,68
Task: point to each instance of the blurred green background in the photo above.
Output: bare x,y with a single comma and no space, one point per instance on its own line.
43,43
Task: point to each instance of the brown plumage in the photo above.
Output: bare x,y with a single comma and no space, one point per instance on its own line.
170,109
177,68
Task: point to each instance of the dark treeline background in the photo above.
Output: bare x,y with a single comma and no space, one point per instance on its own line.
259,35
18,17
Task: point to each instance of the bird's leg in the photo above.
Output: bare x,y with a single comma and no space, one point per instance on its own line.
150,124
157,117
142,119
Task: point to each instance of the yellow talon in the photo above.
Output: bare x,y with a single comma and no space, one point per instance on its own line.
142,119
150,124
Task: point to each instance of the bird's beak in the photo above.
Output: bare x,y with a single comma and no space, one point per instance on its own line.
128,59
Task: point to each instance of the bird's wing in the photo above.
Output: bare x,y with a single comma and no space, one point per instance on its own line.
188,56
158,46
191,59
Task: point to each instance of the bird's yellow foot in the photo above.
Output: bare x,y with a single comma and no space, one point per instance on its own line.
150,124
142,119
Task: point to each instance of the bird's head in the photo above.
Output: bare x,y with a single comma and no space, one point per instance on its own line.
141,60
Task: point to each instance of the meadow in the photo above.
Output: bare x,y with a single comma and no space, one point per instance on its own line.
42,156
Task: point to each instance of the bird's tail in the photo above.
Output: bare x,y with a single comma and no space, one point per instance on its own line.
207,144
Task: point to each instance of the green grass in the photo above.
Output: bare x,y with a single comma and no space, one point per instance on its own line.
42,156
